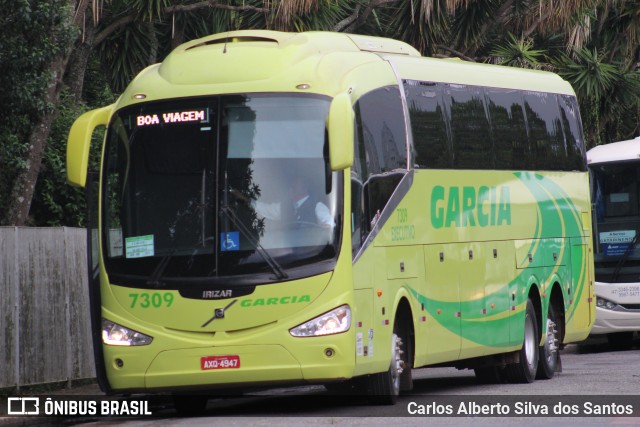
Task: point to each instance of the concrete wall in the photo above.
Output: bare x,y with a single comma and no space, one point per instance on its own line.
45,333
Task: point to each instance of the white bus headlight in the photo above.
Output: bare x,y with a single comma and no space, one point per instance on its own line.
336,321
605,303
114,334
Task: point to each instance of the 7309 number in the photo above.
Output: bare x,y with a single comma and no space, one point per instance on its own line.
155,300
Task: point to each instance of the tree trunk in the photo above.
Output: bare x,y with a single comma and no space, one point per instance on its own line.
77,67
153,51
25,183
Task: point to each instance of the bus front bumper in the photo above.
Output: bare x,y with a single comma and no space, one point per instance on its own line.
617,308
227,367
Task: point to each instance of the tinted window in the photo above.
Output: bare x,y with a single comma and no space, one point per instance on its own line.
381,128
429,124
545,131
473,148
380,157
572,127
511,148
472,127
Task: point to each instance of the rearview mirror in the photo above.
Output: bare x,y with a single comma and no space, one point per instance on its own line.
79,143
340,125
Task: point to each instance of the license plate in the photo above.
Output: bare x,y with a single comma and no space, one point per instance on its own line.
219,362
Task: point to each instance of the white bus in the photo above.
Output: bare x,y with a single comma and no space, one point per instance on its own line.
615,182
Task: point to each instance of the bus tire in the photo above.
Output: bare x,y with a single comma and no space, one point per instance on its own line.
550,351
383,388
524,371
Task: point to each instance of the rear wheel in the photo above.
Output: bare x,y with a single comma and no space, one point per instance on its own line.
550,351
524,371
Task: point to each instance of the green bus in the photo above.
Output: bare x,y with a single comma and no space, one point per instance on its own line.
325,208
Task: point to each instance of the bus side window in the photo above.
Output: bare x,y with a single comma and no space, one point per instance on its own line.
359,174
429,125
576,157
508,128
469,128
380,149
546,139
358,233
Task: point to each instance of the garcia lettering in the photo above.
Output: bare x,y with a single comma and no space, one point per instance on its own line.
289,299
470,206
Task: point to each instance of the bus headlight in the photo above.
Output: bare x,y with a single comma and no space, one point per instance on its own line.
336,321
605,303
114,334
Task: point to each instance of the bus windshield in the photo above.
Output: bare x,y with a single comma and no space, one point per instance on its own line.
617,208
202,189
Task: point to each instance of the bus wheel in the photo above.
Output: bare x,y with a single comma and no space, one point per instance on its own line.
524,371
384,388
550,351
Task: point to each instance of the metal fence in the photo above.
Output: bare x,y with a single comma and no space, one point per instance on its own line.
45,333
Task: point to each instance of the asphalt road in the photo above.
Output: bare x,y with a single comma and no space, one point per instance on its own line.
597,385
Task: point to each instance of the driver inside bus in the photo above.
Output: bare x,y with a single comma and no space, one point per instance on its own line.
302,207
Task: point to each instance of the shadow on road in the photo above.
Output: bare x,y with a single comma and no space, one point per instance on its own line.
600,344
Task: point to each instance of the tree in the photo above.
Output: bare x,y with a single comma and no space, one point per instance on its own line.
36,37
594,44
133,35
48,46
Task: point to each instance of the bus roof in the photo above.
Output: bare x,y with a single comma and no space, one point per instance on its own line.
320,62
615,151
457,71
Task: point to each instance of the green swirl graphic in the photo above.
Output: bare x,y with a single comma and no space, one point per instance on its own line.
557,217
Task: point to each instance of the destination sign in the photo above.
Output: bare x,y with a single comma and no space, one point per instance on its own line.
171,117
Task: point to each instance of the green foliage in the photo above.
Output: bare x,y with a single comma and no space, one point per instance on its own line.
592,43
152,26
32,34
13,150
323,18
518,53
148,10
55,202
126,53
590,75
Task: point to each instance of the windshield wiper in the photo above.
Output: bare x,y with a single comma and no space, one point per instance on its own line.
273,264
156,275
625,256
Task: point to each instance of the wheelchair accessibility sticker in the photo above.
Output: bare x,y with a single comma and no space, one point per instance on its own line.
230,241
